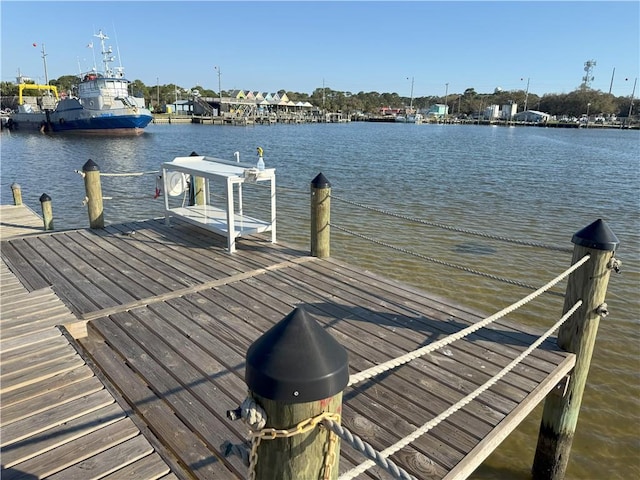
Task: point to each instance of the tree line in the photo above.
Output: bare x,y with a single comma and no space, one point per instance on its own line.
467,103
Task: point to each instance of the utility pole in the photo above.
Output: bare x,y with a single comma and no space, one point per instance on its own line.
44,59
631,102
526,96
219,86
446,100
612,75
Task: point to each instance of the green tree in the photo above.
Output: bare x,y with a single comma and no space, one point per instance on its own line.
8,89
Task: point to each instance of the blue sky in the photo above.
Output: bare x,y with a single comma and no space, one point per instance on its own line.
348,46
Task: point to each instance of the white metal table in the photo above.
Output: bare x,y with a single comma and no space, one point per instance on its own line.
224,221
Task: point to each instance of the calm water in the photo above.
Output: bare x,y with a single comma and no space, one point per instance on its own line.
534,184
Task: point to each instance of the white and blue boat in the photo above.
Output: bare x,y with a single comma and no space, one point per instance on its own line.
102,104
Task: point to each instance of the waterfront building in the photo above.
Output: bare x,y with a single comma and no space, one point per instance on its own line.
533,116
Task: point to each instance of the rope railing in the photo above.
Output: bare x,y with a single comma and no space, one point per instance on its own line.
124,174
381,458
396,362
129,174
452,228
439,262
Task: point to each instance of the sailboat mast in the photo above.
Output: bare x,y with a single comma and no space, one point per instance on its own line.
411,103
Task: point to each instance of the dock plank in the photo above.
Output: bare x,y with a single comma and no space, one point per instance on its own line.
50,400
108,461
40,422
178,439
151,467
35,445
18,221
75,451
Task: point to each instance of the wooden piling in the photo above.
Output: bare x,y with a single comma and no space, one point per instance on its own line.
320,217
198,187
93,190
17,194
47,211
310,455
198,183
296,372
577,335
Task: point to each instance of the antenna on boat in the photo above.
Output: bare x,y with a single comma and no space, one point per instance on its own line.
107,58
120,68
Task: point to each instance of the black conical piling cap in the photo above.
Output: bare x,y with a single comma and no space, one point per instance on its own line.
45,198
90,166
320,181
297,361
598,236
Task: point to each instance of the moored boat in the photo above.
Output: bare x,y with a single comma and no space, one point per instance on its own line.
409,118
102,104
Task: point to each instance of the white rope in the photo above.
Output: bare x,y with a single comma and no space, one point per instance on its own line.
434,260
454,229
396,362
253,414
363,467
131,174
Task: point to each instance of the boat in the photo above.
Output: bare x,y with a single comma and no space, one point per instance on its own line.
102,104
410,116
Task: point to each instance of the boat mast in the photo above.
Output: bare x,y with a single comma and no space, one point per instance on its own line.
107,57
44,59
411,102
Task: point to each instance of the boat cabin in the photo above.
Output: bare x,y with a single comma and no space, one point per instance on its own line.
99,93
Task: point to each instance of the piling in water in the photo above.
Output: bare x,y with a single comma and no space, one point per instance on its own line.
577,335
93,190
320,217
17,194
47,211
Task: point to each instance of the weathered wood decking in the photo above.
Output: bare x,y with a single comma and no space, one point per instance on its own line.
58,420
167,316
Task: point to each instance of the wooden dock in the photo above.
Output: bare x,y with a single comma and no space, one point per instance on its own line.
164,316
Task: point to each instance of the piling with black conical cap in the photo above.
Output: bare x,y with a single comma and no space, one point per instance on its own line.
93,190
296,372
297,361
596,235
47,211
588,285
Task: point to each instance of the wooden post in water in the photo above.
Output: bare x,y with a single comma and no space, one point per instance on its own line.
577,335
47,211
320,217
296,371
93,188
17,193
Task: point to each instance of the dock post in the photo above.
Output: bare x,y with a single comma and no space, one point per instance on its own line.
198,187
296,373
47,211
320,217
17,193
91,173
577,335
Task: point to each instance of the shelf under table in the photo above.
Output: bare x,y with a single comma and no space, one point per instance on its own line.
215,219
